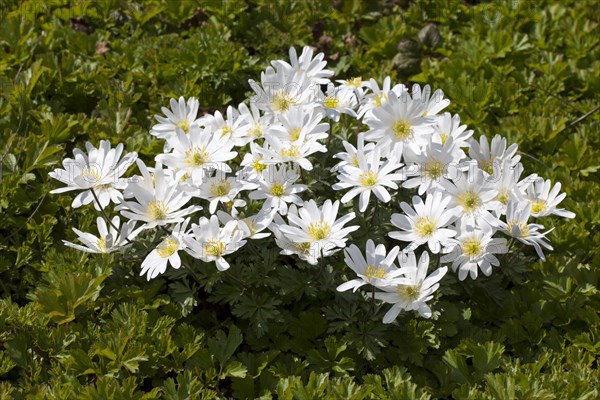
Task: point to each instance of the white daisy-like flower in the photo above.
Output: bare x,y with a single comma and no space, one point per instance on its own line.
356,84
370,176
256,123
448,126
196,154
432,104
299,122
306,67
277,151
182,115
110,238
158,205
376,269
222,189
425,222
210,242
253,226
517,226
337,101
491,156
474,249
350,156
167,252
99,170
544,199
319,225
399,123
378,97
475,196
413,289
277,187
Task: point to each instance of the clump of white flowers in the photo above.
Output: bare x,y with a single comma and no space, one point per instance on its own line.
468,196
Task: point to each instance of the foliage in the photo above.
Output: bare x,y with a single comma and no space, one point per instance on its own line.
75,325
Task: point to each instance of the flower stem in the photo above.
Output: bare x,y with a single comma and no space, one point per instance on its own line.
106,216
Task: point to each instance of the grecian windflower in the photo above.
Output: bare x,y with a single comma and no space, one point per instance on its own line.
100,169
158,205
350,156
210,242
233,128
429,167
474,249
475,194
256,123
376,269
222,189
412,289
277,188
371,175
110,239
356,84
167,252
425,222
544,200
253,226
378,96
508,184
196,154
491,156
307,68
299,122
338,100
277,151
432,103
319,225
517,226
448,126
399,123
182,115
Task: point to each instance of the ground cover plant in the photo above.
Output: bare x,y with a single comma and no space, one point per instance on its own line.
258,323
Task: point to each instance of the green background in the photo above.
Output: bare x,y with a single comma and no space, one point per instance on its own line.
87,326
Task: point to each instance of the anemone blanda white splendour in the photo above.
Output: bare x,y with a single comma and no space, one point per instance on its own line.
468,194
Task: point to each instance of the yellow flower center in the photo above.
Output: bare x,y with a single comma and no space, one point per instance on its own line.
433,168
408,292
303,248
373,271
402,129
256,131
295,134
281,101
292,151
472,247
355,161
258,165
91,175
226,130
368,179
487,166
425,227
522,227
184,125
354,82
469,201
214,248
277,189
250,224
185,177
319,230
196,157
220,188
444,137
167,247
538,206
101,244
157,210
379,98
331,102
503,196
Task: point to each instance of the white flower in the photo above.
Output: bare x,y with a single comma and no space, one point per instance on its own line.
299,122
378,97
99,170
337,101
474,248
428,168
210,243
475,196
517,226
256,123
506,182
369,176
252,226
425,223
277,188
318,225
306,67
490,157
109,240
375,270
432,104
355,84
399,123
167,252
181,115
253,164
234,128
198,152
221,189
448,126
350,156
413,289
158,205
544,201
278,151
